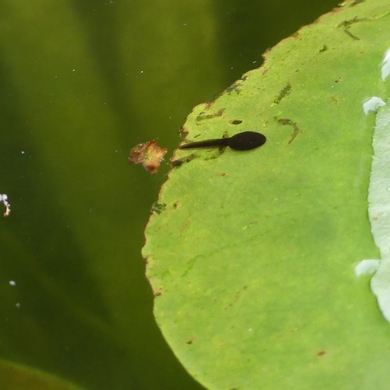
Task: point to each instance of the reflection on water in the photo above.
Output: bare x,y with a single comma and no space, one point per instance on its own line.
81,82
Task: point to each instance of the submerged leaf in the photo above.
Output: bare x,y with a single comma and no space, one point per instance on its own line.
16,376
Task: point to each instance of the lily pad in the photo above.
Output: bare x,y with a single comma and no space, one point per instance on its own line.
252,258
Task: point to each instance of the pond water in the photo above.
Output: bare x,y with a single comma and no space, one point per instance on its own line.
81,83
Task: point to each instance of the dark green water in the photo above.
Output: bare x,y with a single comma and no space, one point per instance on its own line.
80,83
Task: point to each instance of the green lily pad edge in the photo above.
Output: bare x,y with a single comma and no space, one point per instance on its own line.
252,257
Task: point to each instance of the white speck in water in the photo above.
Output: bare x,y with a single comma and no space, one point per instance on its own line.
250,330
12,283
18,305
142,71
4,200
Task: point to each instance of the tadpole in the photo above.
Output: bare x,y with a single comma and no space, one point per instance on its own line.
242,141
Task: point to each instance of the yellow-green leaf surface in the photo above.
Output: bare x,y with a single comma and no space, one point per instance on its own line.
252,254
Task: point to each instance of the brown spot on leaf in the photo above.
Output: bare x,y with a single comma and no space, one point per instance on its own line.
286,121
158,208
181,161
202,116
283,93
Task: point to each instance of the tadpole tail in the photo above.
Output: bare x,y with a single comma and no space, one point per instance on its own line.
210,143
